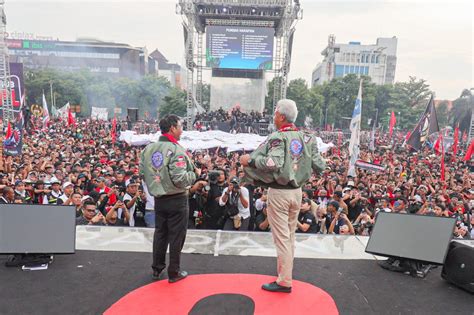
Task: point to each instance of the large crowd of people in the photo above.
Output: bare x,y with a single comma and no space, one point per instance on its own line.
81,166
237,120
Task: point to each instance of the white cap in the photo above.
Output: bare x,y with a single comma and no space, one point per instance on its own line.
67,184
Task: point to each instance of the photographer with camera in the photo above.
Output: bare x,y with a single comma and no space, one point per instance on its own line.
341,224
133,200
236,201
114,219
364,223
213,211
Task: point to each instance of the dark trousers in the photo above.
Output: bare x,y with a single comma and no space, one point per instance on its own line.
171,221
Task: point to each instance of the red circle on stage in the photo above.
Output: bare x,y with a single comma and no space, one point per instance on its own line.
177,298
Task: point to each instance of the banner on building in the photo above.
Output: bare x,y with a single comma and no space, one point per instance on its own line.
99,113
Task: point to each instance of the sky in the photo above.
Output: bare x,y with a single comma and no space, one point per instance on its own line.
435,37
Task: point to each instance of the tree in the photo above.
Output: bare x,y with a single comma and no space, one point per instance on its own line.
418,91
174,103
298,91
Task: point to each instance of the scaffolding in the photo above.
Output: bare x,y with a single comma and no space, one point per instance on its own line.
6,94
281,15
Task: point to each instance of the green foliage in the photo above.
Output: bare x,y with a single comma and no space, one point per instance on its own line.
174,103
335,101
88,89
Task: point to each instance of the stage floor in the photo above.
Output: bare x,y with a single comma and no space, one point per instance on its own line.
104,269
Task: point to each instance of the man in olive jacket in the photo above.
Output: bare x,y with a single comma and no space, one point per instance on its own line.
283,163
168,173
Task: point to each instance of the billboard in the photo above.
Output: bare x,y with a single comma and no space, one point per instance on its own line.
238,47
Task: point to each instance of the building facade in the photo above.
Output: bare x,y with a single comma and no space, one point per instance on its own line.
111,59
377,61
172,71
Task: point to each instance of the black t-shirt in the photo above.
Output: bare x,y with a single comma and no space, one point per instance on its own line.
308,218
353,211
82,221
213,208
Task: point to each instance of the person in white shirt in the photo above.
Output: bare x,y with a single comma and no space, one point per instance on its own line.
130,200
236,200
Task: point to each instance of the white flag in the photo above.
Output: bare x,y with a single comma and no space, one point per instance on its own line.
45,113
355,132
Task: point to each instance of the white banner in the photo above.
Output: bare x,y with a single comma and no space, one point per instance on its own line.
99,113
195,140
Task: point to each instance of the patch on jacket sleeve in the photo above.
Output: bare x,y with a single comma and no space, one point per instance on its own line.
274,143
270,162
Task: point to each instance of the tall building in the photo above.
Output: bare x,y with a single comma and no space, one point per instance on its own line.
171,71
377,61
111,59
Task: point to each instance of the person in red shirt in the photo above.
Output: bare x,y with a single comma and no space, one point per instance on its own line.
101,188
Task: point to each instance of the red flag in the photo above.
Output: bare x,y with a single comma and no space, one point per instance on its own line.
469,151
442,158
408,136
9,131
464,136
456,141
393,121
114,130
70,118
437,146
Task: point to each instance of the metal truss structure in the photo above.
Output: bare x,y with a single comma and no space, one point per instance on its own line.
281,15
6,92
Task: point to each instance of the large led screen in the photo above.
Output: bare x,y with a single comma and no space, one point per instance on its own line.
237,47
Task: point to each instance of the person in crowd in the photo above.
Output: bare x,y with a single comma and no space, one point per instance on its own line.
8,195
113,218
341,224
90,215
284,164
213,211
235,199
54,196
306,220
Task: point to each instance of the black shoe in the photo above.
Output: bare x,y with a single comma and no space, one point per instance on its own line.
157,275
275,287
180,276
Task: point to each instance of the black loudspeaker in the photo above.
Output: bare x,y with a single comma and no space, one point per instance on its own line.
459,265
132,114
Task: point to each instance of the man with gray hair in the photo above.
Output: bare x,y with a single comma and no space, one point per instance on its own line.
283,163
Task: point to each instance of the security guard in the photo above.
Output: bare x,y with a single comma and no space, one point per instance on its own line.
168,173
284,163
54,196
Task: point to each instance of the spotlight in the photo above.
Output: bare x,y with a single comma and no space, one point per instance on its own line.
224,10
254,10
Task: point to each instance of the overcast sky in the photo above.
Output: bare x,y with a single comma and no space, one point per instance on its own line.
435,38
